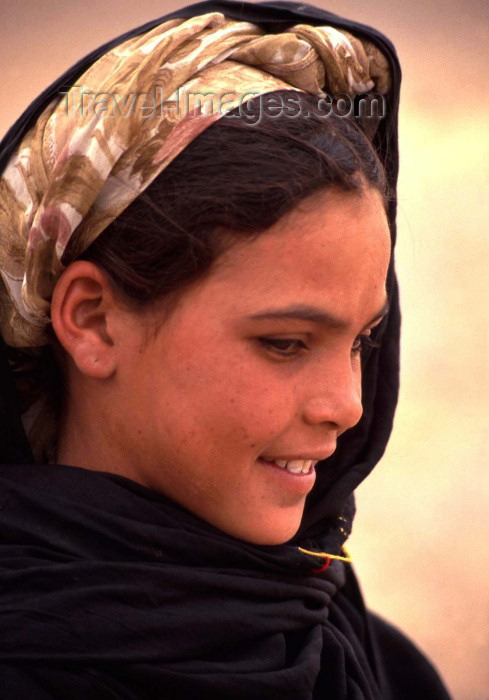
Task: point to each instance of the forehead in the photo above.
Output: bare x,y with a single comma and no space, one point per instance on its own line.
333,246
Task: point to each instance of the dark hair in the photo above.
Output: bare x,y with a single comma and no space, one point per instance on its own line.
242,173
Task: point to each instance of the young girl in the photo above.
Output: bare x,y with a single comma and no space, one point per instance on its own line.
200,319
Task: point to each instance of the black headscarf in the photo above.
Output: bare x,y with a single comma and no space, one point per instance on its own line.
110,590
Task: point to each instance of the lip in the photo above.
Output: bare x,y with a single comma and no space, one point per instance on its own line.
297,483
315,457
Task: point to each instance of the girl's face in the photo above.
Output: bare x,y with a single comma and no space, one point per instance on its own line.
256,372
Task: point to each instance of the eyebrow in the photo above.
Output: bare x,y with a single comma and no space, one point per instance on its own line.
314,314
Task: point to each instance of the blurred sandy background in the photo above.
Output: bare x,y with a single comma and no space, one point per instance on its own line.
421,538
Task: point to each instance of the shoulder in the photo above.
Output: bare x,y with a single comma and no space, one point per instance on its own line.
406,670
403,672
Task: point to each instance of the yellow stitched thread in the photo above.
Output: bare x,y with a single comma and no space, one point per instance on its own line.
346,558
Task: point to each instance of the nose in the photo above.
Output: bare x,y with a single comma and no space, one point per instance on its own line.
335,397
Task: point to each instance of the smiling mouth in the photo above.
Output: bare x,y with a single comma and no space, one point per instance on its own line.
294,466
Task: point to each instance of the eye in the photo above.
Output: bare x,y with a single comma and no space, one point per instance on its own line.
363,344
284,347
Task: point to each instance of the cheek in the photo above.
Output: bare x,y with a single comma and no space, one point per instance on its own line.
216,394
244,411
239,405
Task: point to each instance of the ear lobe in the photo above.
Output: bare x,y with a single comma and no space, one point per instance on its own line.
81,307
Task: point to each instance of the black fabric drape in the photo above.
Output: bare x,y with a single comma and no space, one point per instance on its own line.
109,590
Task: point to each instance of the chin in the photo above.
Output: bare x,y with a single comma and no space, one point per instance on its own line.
270,533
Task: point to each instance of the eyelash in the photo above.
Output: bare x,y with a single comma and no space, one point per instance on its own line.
273,344
363,344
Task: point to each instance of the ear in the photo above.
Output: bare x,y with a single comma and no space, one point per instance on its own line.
82,308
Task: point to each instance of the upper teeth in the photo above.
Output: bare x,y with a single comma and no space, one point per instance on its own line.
296,466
